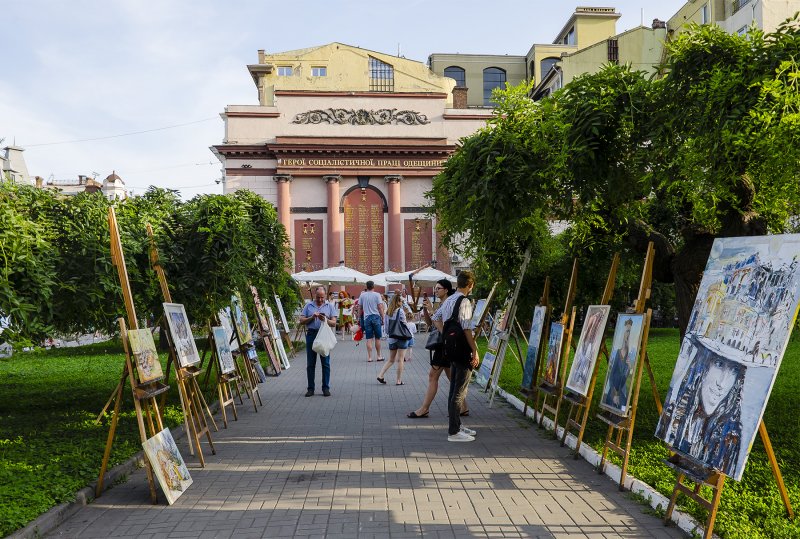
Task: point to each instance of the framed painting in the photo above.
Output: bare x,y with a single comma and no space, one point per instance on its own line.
226,364
534,345
143,351
240,321
589,343
181,333
625,349
276,337
262,317
485,370
281,313
738,331
477,313
225,320
168,465
553,353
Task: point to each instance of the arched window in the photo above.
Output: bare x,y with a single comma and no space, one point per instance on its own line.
493,77
545,65
456,73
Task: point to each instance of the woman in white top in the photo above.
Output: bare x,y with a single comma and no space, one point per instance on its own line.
397,347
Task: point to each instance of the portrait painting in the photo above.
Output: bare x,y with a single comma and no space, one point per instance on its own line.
181,333
534,345
553,353
485,370
589,343
168,465
625,346
240,321
144,354
226,364
737,334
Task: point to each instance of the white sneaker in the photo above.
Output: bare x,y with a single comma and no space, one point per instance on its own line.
460,437
465,430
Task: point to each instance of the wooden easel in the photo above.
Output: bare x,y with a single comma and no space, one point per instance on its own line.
544,389
478,329
579,405
144,395
264,333
625,424
248,372
544,301
195,408
224,380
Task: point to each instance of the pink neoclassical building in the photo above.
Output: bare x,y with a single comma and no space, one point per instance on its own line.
345,142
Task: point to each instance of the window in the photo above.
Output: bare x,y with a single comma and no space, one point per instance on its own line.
456,73
613,51
284,71
319,71
381,76
569,37
493,77
704,15
546,65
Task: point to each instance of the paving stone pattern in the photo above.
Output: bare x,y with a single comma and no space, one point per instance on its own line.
353,465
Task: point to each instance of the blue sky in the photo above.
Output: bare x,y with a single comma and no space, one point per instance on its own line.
89,69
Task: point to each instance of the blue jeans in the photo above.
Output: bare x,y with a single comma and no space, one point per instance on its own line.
311,363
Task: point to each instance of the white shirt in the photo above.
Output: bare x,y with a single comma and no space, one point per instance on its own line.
446,311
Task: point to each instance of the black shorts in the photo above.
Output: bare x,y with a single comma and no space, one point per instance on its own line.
438,360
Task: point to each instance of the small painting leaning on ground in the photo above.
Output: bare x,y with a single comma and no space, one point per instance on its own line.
737,334
534,344
168,465
181,333
553,353
592,334
625,348
143,351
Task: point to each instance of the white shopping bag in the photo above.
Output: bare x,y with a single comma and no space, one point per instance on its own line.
325,340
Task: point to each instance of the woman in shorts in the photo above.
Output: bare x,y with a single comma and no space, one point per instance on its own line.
397,347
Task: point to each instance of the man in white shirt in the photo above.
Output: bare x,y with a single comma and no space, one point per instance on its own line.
372,312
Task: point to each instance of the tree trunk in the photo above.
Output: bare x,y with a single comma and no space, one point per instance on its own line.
688,265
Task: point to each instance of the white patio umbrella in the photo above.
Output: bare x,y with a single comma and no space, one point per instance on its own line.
302,278
341,275
381,278
425,277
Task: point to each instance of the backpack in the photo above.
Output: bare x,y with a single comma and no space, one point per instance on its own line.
456,348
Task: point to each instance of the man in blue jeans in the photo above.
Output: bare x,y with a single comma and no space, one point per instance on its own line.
314,314
372,312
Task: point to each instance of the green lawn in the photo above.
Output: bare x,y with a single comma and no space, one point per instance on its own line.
50,445
750,508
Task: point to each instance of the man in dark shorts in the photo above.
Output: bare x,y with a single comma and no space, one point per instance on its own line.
372,312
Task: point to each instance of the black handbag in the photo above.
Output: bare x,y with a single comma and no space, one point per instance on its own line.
398,329
434,340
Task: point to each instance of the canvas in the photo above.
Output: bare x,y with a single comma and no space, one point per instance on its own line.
276,337
143,351
226,364
485,370
281,313
589,343
181,333
534,344
225,321
262,317
168,465
737,334
480,306
240,321
553,353
625,349
496,331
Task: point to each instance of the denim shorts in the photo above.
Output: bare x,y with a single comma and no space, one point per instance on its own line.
373,327
399,345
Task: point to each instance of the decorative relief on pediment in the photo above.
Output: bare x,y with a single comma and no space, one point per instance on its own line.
361,117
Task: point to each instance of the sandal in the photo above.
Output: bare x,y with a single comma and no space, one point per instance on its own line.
381,380
400,384
465,413
414,415
369,361
381,358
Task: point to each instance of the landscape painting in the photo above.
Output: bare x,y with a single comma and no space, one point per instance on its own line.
624,357
739,328
226,364
168,465
240,321
553,353
143,351
591,339
181,333
534,345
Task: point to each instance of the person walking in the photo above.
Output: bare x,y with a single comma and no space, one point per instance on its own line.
439,364
453,320
313,316
397,347
372,311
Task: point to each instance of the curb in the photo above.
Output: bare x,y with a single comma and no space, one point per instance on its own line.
656,500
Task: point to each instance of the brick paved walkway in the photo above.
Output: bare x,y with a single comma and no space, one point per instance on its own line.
353,465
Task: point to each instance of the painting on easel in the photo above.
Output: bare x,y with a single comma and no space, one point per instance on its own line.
733,346
592,334
143,350
553,353
477,313
223,350
168,465
181,332
625,348
224,316
484,374
534,344
240,321
281,313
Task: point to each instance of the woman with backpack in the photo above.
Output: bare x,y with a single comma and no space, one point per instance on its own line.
395,318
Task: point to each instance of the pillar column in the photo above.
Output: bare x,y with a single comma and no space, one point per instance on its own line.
334,228
395,231
284,201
